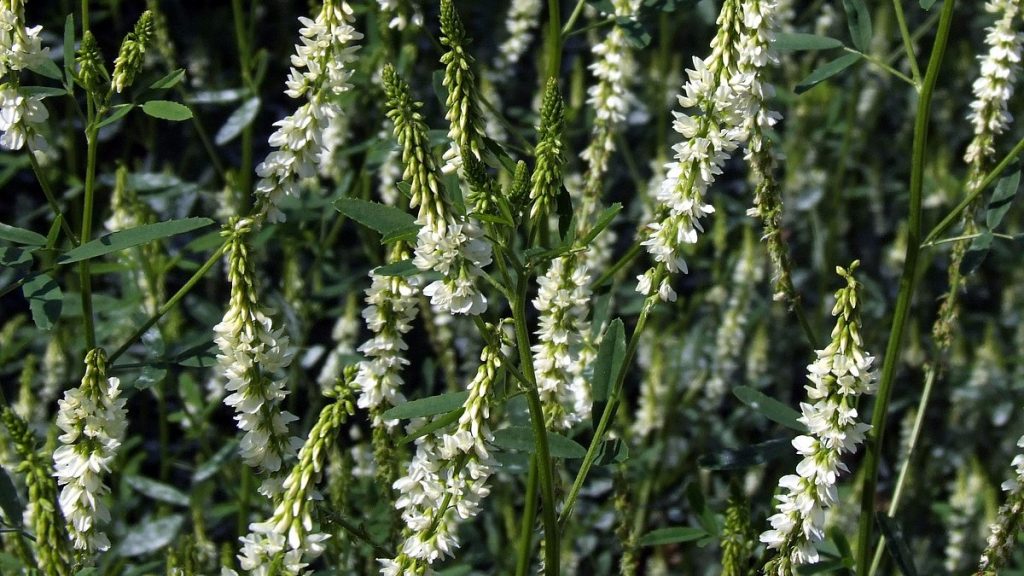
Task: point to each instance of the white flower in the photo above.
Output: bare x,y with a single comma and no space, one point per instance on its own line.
20,46
19,119
459,253
92,418
520,22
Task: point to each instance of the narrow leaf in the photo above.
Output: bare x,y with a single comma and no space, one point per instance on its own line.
46,67
748,456
69,49
521,438
42,92
158,490
117,113
797,41
859,20
636,34
404,268
379,217
239,119
45,300
169,81
897,545
927,4
603,220
672,535
613,451
826,71
1002,198
151,536
607,365
429,406
9,501
139,235
770,408
167,110
21,235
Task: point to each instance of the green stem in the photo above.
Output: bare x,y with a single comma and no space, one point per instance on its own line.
554,47
85,17
544,468
897,495
50,198
529,517
167,306
908,44
973,194
881,64
908,279
85,279
621,263
244,56
606,415
572,18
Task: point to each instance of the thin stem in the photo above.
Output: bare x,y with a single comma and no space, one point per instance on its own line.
974,193
915,435
881,64
245,62
85,278
85,17
966,237
554,47
908,43
573,17
606,416
50,198
622,262
908,280
529,517
547,490
167,306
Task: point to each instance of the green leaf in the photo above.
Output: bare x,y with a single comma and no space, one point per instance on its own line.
404,268
613,451
435,424
167,110
21,236
521,438
603,220
46,67
770,408
45,300
826,71
150,536
169,81
636,34
9,501
404,234
239,119
748,456
605,6
13,257
672,535
927,4
117,112
798,41
379,217
430,406
149,377
42,92
896,544
158,490
137,236
976,253
607,365
859,20
1002,198
69,49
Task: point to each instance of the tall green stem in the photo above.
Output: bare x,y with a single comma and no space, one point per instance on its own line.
908,43
908,279
85,278
529,517
543,454
554,47
245,61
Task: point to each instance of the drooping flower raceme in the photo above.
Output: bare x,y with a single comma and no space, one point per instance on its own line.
520,22
1000,66
563,298
93,419
1009,522
320,72
447,243
447,478
841,373
289,533
719,94
252,355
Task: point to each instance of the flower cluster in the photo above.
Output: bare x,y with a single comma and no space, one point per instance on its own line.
1003,533
288,535
447,478
390,310
994,88
402,13
560,355
20,49
839,376
132,55
320,72
466,126
546,180
20,46
447,243
252,356
520,22
344,334
93,419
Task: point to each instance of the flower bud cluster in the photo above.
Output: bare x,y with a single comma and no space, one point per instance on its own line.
321,68
132,54
839,376
93,419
